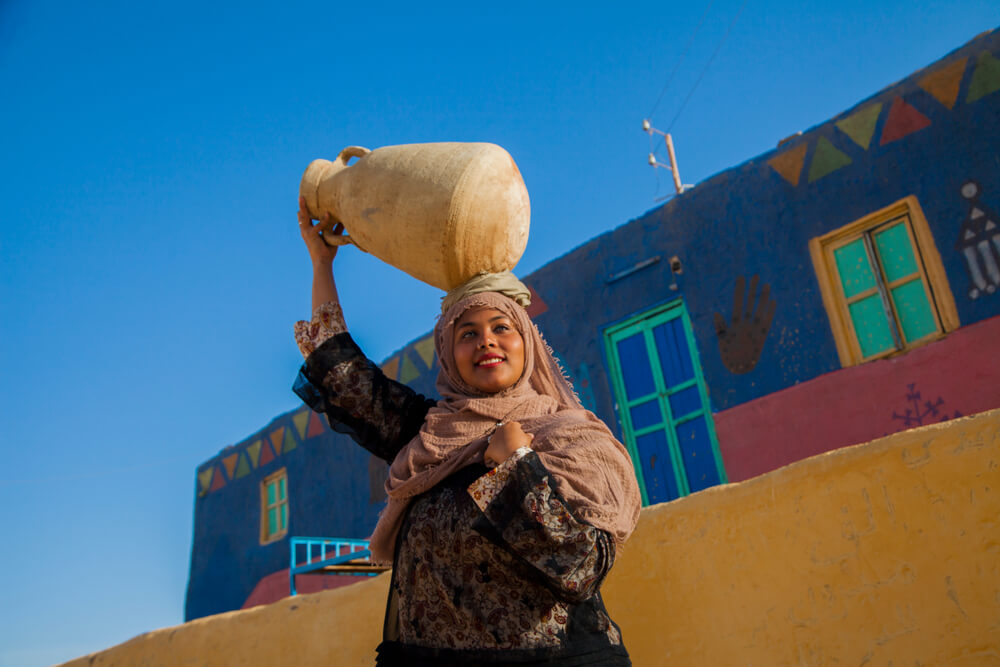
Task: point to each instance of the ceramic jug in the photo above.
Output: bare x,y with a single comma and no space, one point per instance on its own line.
441,212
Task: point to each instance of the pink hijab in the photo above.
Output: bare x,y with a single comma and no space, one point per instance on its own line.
591,469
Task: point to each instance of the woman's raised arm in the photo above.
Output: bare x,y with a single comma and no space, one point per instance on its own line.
337,379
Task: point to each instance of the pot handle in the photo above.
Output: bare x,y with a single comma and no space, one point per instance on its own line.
352,151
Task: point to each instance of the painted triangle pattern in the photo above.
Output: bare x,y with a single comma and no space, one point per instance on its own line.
277,435
301,421
409,370
266,454
253,451
425,348
943,83
289,443
218,481
230,464
243,468
391,368
204,480
903,120
986,78
860,126
789,164
315,425
537,306
826,160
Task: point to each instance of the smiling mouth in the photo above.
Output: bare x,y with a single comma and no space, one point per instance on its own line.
489,362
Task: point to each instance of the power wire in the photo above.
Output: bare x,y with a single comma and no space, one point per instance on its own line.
680,60
707,65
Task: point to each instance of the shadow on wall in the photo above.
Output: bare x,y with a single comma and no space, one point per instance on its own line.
882,552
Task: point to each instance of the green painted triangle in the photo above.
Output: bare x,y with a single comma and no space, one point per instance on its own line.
425,349
243,467
860,126
986,78
204,480
253,451
408,371
289,443
301,420
826,159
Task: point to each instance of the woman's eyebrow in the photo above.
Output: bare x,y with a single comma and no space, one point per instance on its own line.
467,323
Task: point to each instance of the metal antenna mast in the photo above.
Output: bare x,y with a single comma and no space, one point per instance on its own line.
653,162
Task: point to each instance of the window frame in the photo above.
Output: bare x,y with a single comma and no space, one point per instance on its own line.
644,322
265,536
935,281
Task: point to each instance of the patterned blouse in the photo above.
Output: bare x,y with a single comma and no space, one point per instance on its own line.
491,566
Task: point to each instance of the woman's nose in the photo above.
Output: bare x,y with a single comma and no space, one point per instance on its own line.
486,339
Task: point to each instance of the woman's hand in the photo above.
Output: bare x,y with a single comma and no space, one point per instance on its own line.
506,440
320,253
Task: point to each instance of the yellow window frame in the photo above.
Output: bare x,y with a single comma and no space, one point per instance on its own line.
280,505
928,260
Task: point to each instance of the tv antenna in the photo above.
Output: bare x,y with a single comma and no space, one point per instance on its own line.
654,163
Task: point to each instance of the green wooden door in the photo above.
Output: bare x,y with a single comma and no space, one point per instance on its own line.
663,404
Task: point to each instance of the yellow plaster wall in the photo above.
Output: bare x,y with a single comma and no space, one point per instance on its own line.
886,553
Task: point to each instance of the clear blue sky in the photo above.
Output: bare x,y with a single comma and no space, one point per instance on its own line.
150,266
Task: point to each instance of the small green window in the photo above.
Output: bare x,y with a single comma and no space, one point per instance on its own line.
274,507
885,290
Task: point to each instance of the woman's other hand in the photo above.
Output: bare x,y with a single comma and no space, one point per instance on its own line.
320,253
506,440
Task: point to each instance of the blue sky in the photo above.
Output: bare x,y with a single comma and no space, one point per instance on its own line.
151,265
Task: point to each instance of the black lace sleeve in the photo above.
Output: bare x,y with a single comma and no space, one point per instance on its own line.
532,521
380,414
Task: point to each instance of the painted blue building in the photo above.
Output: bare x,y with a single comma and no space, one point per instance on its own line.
839,288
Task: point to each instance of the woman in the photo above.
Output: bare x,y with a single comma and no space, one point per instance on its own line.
507,500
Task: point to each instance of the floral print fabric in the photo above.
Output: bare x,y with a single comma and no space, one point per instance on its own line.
327,322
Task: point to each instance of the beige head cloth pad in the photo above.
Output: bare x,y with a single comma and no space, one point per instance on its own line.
505,283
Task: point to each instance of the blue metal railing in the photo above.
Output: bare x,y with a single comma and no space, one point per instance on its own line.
331,551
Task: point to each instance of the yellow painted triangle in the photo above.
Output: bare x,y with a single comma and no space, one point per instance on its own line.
301,421
391,368
230,464
276,437
425,348
409,370
789,164
253,451
943,83
204,480
860,126
289,442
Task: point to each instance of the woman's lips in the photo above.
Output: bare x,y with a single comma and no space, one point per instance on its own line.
489,361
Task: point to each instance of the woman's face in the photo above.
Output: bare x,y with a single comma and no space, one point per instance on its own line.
489,351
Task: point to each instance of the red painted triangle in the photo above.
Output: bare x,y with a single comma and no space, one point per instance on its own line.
537,306
903,120
266,454
218,481
315,426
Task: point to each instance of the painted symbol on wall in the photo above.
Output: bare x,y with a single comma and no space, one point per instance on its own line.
922,412
742,340
979,243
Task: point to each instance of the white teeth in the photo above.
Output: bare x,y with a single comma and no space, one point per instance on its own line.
492,361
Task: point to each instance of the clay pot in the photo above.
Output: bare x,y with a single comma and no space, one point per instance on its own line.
440,212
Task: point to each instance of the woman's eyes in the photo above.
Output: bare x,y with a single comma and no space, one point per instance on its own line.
497,328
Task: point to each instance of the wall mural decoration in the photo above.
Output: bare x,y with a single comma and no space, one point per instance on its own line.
742,340
918,414
979,243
